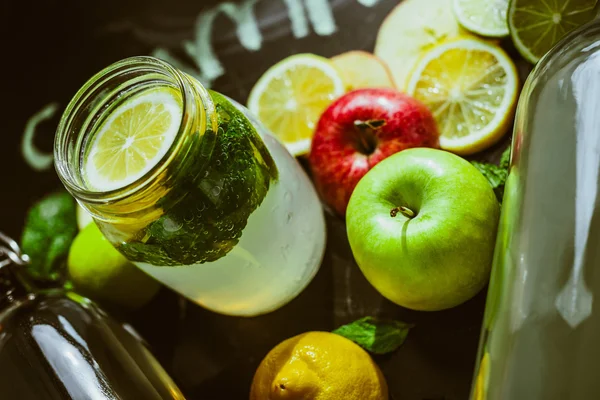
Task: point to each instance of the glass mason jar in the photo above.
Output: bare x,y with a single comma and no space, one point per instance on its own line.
542,322
221,212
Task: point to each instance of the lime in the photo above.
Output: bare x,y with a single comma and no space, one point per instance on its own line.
134,137
291,96
471,87
485,18
537,25
103,274
83,218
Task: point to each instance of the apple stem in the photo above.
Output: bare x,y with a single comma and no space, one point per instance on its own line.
407,212
367,141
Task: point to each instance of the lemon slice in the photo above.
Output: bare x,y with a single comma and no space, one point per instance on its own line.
133,139
411,29
291,96
471,88
486,18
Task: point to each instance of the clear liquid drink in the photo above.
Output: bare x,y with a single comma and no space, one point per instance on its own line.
188,186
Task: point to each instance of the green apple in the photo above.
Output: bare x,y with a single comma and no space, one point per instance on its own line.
422,227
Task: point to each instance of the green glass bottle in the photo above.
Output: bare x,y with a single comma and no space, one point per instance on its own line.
56,345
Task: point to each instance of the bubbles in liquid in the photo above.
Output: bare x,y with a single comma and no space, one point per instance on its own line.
289,217
216,191
170,225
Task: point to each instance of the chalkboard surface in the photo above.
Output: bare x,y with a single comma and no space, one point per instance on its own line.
52,47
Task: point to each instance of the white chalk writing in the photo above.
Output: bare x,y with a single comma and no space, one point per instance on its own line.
207,66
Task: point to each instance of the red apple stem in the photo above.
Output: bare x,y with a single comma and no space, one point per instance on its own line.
366,134
407,212
369,124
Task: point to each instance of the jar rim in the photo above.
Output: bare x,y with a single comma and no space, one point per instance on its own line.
78,113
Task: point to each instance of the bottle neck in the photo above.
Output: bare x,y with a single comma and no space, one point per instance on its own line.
102,95
13,284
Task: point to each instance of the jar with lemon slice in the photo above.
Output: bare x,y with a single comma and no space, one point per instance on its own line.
190,187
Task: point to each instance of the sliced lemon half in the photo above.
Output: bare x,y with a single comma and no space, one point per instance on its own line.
291,96
471,87
133,139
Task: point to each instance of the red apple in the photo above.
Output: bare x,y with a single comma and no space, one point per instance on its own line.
359,130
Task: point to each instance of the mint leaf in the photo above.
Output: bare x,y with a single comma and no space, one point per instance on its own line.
496,174
50,227
375,335
505,159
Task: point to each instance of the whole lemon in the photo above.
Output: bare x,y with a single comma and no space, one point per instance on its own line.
318,366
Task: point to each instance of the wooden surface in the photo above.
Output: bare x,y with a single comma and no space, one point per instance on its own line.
54,46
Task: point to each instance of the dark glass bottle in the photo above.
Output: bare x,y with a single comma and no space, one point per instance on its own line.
58,345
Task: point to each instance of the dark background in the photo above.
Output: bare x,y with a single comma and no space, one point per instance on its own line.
52,47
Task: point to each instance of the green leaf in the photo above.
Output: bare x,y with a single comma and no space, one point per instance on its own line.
375,335
496,174
50,227
505,159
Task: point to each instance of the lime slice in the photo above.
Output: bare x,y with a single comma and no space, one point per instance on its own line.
485,18
537,25
291,96
133,139
471,88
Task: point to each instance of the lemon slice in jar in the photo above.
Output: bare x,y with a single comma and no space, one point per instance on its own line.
135,136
